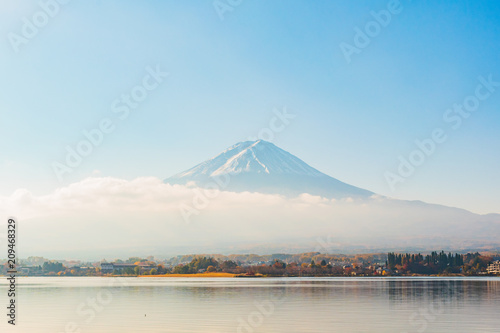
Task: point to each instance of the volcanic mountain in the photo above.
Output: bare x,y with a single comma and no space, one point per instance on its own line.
260,166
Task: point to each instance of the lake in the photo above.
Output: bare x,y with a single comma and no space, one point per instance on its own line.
94,304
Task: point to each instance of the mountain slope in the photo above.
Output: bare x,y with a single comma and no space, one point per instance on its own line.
260,166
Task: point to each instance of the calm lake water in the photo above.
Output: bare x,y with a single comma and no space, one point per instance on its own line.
254,305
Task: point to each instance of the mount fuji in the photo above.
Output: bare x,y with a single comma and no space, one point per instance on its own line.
260,166
368,220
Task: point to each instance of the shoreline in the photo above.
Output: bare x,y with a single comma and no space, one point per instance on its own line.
202,275
230,275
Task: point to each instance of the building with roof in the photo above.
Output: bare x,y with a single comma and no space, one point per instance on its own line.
494,268
110,267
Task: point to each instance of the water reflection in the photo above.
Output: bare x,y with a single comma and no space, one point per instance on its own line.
258,305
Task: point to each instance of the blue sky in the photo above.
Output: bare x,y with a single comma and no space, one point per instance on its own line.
352,120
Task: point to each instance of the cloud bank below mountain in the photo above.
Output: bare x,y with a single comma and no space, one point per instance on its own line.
105,217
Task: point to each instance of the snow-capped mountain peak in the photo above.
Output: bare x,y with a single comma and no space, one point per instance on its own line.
252,157
261,166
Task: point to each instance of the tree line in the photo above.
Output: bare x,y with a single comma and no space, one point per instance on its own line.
438,263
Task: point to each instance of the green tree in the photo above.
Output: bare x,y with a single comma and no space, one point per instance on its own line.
228,265
50,266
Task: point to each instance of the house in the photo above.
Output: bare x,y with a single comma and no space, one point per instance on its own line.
383,271
107,267
494,268
29,270
110,267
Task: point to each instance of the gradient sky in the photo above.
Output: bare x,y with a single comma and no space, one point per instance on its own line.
352,120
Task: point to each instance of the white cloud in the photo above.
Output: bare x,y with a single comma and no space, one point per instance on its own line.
114,215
